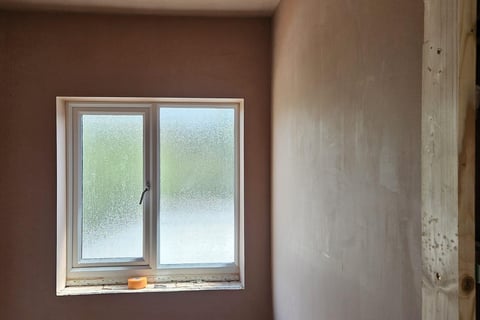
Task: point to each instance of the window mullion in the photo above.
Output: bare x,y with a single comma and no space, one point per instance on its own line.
154,176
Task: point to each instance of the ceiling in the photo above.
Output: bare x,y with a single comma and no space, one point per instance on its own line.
179,7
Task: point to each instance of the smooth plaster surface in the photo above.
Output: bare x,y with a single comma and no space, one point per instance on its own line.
47,55
346,160
190,7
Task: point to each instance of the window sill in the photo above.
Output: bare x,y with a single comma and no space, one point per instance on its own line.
158,287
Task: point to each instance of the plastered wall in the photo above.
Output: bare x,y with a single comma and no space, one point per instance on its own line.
47,55
346,160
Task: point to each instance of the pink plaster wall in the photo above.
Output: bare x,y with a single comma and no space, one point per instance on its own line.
47,55
346,160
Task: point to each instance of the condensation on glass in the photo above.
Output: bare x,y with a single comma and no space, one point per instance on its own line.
112,175
197,186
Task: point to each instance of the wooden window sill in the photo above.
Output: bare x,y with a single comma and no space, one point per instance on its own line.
157,287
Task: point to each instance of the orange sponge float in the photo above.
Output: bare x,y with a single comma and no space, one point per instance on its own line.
137,283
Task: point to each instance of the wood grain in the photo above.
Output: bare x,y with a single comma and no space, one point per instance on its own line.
448,160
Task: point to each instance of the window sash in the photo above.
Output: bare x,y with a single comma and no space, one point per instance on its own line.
77,111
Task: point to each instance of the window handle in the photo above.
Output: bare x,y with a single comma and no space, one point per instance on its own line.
147,188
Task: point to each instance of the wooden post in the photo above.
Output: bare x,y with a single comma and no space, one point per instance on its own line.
448,160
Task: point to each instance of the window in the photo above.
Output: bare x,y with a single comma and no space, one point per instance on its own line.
149,187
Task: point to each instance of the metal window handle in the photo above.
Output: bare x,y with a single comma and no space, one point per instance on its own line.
147,188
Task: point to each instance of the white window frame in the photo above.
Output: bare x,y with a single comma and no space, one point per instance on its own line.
71,270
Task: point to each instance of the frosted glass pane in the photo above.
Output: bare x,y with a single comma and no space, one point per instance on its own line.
112,219
197,173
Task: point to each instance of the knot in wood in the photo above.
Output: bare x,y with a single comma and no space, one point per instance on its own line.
468,284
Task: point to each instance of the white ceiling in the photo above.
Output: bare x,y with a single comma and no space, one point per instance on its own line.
181,7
